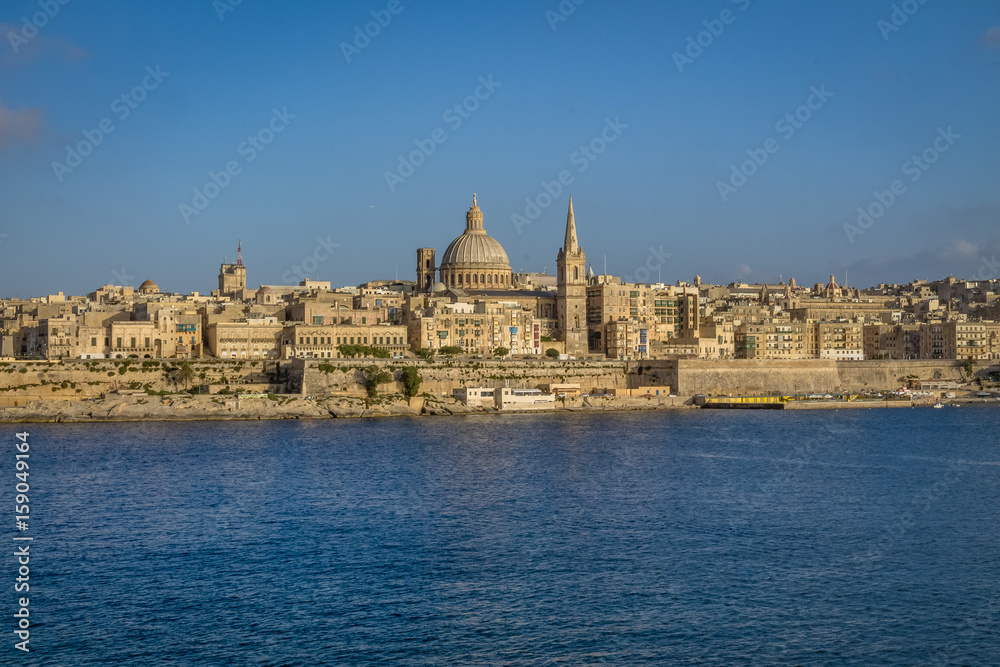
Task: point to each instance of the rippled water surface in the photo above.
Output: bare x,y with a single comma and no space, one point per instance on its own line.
855,537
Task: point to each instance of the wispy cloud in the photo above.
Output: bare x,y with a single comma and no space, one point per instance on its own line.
957,257
29,49
19,127
991,38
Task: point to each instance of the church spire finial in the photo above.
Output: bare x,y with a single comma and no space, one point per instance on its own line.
571,244
474,217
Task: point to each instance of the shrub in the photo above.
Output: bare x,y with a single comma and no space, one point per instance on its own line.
373,377
552,353
411,381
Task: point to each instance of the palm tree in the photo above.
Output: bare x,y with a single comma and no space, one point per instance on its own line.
185,373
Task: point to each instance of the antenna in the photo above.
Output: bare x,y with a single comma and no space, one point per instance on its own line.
239,253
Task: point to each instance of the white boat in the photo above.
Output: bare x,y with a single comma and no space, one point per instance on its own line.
939,405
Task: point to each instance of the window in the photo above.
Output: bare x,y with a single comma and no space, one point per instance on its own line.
364,320
192,340
147,342
317,319
93,341
133,342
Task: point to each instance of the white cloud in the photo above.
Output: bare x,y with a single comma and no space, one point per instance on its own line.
991,38
22,126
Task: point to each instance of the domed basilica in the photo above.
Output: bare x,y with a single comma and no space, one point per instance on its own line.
473,261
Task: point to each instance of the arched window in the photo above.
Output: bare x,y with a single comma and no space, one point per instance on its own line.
460,279
489,279
482,279
475,279
576,273
496,279
467,281
453,280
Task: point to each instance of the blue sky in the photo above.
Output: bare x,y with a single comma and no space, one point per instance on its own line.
316,197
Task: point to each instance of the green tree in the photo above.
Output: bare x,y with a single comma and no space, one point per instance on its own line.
501,352
450,350
552,352
373,377
425,353
185,373
411,381
969,367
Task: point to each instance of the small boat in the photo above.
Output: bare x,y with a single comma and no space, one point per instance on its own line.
939,405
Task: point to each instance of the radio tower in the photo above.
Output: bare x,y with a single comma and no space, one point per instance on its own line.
239,253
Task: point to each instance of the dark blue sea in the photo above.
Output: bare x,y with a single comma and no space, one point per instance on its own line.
691,537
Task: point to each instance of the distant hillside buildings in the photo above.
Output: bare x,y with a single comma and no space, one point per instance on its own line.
472,302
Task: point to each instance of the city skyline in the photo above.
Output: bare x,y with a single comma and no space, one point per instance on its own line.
671,127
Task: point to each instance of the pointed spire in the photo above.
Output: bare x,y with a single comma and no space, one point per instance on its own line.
571,244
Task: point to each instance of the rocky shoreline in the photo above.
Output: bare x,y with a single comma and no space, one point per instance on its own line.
115,408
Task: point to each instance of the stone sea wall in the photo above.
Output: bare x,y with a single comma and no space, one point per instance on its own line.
76,379
439,377
750,377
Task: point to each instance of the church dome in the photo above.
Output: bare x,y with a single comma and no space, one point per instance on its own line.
475,260
475,247
149,287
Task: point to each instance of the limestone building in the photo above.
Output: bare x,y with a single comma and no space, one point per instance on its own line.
233,277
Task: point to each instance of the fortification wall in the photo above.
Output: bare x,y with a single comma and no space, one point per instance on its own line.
754,377
344,376
77,379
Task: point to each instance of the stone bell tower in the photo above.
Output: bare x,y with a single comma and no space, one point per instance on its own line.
425,268
571,295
